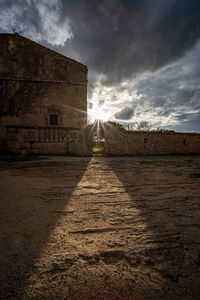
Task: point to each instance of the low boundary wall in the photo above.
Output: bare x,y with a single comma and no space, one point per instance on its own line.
150,143
72,141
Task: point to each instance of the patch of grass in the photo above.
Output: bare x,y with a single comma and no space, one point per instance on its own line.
98,149
94,161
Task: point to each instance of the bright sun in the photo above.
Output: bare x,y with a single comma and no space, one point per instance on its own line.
98,113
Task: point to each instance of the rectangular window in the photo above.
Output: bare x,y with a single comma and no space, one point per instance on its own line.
145,140
53,119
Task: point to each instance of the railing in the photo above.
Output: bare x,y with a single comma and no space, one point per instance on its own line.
44,135
36,134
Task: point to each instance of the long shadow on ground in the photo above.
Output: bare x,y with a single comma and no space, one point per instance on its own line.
32,194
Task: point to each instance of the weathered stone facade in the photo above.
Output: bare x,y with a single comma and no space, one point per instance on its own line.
43,108
150,143
45,95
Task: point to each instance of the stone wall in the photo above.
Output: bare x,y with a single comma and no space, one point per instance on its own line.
39,83
47,140
24,59
150,143
69,102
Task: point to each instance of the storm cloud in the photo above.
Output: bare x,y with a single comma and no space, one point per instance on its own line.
142,55
119,39
125,114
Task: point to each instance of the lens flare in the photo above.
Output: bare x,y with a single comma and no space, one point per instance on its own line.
98,113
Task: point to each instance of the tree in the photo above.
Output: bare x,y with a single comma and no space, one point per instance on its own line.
163,130
17,97
143,126
118,126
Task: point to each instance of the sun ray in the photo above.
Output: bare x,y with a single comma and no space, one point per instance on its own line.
93,127
75,109
104,128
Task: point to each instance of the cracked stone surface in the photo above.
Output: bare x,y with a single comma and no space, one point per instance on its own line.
100,228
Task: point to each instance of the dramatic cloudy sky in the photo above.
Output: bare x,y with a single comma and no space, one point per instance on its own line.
143,55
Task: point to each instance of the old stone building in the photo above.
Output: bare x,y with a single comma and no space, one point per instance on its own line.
43,108
43,99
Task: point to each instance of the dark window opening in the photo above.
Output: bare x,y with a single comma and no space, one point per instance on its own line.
53,119
184,142
145,140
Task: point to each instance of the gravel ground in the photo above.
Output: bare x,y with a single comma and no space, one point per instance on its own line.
100,228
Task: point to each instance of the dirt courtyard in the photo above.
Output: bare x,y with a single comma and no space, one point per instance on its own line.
100,228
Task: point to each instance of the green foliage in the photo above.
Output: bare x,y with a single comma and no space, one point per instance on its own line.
94,161
98,149
117,125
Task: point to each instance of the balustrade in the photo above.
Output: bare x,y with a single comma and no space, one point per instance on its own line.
38,135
